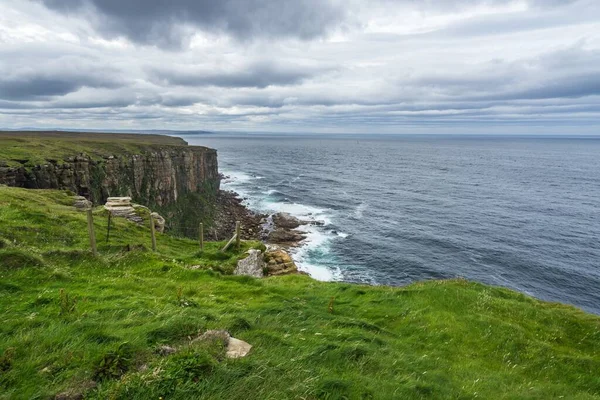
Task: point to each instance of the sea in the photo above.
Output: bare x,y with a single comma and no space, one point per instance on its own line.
521,212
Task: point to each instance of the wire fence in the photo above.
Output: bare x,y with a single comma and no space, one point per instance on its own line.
197,231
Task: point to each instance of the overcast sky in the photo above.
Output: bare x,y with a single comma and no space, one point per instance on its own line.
476,66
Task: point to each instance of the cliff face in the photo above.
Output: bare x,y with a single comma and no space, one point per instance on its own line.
158,176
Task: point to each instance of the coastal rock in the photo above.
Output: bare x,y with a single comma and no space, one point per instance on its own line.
285,236
279,262
229,210
286,221
252,265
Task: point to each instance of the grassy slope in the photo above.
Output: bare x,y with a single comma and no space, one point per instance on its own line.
34,148
439,339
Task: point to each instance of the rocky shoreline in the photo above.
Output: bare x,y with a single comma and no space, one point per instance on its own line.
280,229
279,232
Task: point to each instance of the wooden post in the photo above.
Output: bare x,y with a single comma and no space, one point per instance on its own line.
237,234
108,228
153,233
201,235
90,221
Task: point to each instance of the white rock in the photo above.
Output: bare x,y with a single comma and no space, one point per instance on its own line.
118,201
252,265
237,348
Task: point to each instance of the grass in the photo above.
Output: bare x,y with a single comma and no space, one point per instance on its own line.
78,324
37,148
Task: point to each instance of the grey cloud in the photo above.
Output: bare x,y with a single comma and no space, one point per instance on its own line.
29,78
39,85
257,75
163,23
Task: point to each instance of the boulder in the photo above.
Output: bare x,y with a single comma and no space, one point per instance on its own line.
286,221
281,235
237,348
279,262
252,265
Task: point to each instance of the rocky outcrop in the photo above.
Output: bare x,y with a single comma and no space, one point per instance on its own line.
123,207
279,262
252,265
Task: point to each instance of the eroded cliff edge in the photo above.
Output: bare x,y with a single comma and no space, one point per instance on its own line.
179,181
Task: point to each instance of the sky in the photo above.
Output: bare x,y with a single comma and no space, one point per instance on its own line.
334,66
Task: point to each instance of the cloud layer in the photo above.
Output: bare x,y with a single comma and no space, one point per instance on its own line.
302,65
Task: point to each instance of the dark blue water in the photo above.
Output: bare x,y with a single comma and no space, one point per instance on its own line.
512,211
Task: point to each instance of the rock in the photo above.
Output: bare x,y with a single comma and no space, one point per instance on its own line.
279,262
237,348
286,221
81,203
159,222
119,206
165,350
252,265
118,201
286,236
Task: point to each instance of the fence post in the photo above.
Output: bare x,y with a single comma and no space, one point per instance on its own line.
153,233
201,235
92,234
237,234
108,228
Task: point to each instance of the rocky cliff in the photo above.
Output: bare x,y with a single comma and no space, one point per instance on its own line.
178,180
158,176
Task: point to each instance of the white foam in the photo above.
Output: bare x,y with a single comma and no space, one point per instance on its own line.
316,240
236,178
360,210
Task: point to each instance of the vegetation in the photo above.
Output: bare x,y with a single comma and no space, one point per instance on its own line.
16,148
76,324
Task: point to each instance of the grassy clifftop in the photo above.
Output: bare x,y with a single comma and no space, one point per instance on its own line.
35,148
76,324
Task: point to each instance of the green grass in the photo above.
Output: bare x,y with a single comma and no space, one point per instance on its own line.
70,318
36,148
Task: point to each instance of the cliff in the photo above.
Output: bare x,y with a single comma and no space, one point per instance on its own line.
164,173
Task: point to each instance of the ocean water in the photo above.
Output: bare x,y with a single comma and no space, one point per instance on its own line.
519,212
